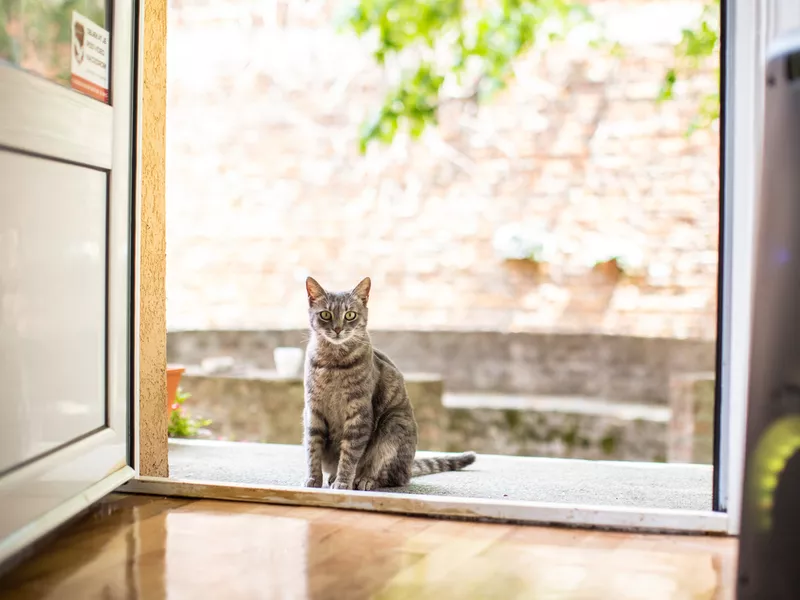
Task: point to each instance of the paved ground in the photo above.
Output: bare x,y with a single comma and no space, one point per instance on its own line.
641,485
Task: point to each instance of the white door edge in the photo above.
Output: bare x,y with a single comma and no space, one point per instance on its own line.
33,531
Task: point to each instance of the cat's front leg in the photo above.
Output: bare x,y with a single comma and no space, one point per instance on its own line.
355,436
330,463
315,433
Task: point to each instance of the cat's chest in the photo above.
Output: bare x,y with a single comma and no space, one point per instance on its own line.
335,419
332,402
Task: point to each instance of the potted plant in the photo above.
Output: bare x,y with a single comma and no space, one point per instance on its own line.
614,259
522,248
181,423
174,373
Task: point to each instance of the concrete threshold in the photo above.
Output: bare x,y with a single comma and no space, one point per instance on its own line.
558,480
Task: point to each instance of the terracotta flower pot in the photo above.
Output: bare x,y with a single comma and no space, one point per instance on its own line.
173,380
608,270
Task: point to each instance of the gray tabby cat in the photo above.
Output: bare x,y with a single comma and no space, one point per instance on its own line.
358,422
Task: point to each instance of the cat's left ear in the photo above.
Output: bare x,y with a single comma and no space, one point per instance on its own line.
362,290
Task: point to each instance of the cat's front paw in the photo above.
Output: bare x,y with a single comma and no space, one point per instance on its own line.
341,485
365,484
313,482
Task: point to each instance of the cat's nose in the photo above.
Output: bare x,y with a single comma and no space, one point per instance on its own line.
338,330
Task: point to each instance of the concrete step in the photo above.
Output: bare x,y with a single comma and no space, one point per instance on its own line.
256,405
584,405
557,426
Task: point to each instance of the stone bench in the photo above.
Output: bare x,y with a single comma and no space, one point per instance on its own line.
556,426
262,406
691,428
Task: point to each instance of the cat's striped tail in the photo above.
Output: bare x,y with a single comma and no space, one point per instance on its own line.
440,464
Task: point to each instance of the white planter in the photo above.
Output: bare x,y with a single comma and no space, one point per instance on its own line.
288,361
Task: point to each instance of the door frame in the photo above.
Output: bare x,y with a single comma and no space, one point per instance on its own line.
744,40
744,48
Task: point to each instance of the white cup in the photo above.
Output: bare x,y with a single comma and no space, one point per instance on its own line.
288,361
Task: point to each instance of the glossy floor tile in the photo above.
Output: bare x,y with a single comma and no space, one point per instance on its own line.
140,547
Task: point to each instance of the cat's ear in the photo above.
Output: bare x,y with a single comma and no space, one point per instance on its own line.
361,291
314,290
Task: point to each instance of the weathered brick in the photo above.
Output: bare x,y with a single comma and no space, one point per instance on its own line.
265,184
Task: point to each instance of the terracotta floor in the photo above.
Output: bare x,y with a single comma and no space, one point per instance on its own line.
140,547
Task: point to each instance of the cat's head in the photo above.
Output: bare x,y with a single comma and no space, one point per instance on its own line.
338,316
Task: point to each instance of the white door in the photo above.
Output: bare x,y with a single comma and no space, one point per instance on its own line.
66,123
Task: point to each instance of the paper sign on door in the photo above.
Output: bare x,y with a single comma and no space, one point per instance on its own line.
89,58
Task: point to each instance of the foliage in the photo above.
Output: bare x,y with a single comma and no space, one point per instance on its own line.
448,45
514,241
452,50
696,46
181,423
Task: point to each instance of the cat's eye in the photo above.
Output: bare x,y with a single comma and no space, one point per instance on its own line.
350,315
325,315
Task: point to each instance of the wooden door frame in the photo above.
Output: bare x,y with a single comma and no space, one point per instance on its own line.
149,363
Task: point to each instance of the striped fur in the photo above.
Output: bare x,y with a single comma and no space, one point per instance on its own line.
440,464
358,422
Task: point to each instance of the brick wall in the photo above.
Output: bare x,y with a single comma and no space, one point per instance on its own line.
265,184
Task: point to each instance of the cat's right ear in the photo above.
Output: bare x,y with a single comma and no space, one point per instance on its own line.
362,290
314,290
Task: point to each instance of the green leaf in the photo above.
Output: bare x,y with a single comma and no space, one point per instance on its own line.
697,45
487,39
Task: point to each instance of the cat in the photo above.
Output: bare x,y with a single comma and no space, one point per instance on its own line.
358,423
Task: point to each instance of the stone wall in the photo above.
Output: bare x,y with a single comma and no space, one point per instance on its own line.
265,184
618,368
691,427
263,407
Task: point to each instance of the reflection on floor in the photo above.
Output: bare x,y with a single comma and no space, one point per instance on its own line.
640,485
149,548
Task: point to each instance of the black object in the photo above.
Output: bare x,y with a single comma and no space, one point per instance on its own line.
769,548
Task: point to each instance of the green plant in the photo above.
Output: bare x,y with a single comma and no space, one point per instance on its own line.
697,45
181,423
466,48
